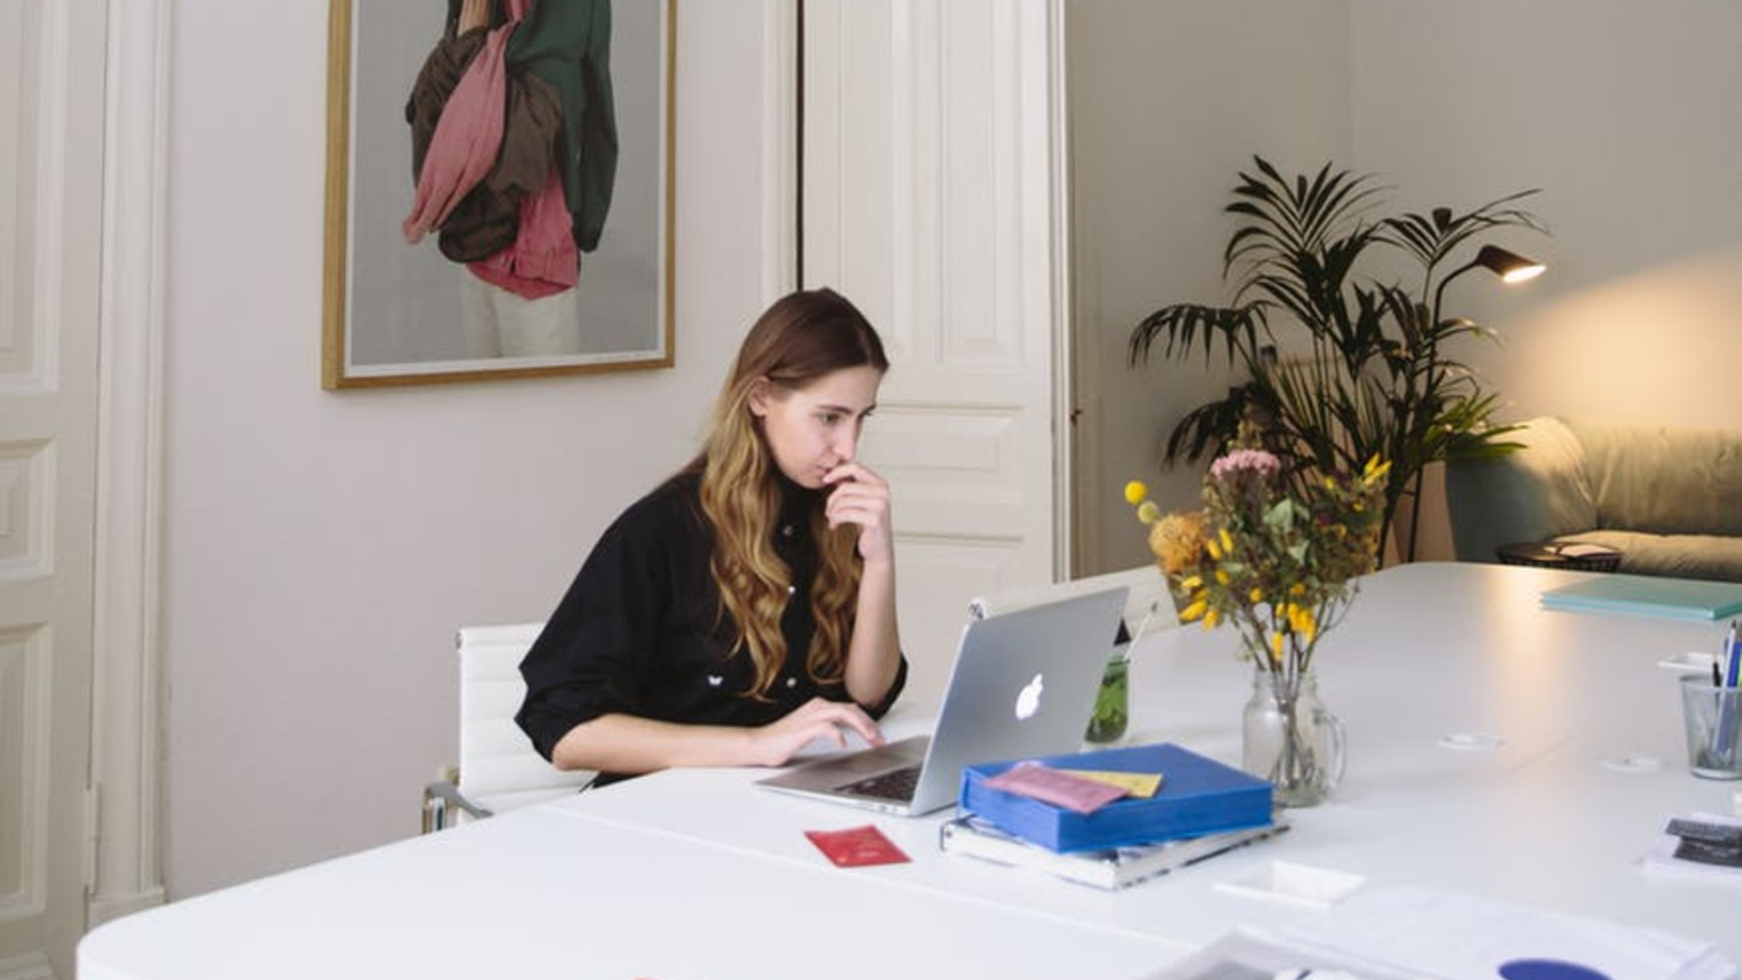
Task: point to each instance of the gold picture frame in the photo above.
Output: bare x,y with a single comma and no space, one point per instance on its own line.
395,313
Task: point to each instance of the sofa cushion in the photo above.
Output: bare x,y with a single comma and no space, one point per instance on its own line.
1535,493
1663,479
1705,556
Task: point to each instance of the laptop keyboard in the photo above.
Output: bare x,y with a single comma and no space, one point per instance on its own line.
897,784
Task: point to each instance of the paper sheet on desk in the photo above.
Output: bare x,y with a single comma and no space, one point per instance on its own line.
1462,937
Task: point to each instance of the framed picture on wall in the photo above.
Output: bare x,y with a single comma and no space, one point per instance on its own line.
499,189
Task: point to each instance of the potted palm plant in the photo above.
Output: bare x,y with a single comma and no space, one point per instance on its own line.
1366,370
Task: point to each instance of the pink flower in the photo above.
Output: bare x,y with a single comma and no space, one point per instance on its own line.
1246,460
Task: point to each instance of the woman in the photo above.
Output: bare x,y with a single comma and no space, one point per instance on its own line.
746,607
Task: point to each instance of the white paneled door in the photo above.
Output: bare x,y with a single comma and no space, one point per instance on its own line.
51,135
931,198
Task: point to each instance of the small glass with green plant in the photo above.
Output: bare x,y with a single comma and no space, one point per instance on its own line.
1113,701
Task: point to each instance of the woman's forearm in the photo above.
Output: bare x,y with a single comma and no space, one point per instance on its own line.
630,745
874,653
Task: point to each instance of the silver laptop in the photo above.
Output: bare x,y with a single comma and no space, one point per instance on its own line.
1023,685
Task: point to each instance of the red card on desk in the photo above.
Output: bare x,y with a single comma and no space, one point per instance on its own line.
856,846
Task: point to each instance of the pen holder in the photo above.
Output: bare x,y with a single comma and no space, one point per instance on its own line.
1712,716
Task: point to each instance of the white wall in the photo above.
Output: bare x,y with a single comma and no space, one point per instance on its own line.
321,547
1625,115
1167,102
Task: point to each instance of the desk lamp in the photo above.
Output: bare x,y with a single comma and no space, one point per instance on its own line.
1511,268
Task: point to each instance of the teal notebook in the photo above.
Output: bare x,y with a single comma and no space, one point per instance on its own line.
1642,595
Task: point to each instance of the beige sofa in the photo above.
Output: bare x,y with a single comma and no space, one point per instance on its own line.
1669,499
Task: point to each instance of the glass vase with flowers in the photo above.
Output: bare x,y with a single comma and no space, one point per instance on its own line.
1278,564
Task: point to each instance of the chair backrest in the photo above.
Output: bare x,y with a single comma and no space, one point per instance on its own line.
1148,605
498,766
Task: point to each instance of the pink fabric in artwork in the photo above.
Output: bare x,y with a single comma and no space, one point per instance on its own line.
466,139
543,259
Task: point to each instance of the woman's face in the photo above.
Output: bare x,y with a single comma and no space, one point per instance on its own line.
812,430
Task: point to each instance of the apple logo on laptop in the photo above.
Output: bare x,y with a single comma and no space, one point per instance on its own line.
1028,699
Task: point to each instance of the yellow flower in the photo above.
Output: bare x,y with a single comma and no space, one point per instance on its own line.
1177,541
1286,565
1375,471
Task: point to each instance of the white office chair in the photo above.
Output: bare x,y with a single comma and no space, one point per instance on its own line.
498,768
1148,606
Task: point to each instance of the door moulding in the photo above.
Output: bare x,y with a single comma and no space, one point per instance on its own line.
126,716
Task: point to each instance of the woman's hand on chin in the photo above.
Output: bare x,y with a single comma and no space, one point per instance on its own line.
860,497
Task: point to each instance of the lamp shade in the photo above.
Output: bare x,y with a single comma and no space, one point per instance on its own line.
1509,266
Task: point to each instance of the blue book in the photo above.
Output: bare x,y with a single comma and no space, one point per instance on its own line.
1643,595
1198,796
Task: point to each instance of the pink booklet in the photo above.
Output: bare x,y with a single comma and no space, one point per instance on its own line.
1077,793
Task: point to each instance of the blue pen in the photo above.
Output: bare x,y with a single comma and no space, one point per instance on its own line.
1723,735
1733,657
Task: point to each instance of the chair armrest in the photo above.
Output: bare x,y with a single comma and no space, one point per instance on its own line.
438,797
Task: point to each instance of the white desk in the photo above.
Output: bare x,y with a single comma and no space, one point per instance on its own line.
697,874
535,894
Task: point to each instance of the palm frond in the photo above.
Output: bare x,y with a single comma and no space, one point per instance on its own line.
1180,326
1371,373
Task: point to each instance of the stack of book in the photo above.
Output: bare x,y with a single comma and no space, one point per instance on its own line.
1201,808
1112,868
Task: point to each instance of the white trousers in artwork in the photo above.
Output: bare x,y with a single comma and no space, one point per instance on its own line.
498,323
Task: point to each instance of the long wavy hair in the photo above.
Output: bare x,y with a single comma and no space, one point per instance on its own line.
802,337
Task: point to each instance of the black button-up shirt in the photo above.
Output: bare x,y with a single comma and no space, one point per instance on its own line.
641,631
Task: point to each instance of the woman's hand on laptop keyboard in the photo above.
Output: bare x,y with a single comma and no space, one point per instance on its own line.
816,720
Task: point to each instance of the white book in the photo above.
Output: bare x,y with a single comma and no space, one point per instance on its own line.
1660,857
1110,869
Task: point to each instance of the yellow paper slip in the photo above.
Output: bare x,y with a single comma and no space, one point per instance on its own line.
1139,784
